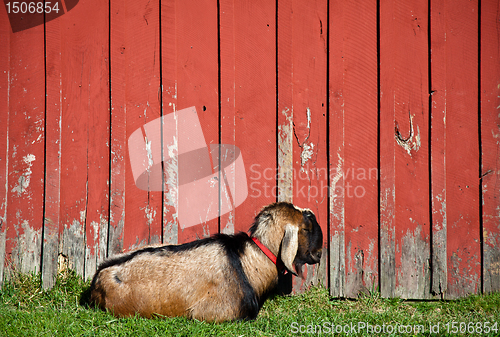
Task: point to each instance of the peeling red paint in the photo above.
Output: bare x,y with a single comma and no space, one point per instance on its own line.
261,84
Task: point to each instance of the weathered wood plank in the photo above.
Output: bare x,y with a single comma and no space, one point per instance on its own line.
438,153
84,136
337,51
119,153
404,162
248,101
190,78
5,32
143,224
52,216
227,81
353,159
302,107
170,201
97,62
135,89
285,97
25,151
462,148
490,142
457,92
74,138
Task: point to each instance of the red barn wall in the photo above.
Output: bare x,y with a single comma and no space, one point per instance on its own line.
382,117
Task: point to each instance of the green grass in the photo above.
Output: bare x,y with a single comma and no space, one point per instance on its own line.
26,310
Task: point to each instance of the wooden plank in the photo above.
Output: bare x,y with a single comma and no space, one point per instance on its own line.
54,98
490,142
119,154
353,159
5,32
404,161
337,51
438,154
26,104
74,138
190,78
248,101
456,35
462,149
169,96
285,110
97,63
135,216
84,136
302,107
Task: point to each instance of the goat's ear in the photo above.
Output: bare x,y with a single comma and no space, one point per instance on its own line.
289,246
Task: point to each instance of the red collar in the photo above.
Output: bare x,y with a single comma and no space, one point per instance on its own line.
271,256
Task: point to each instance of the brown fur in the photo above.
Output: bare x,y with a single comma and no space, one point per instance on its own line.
206,280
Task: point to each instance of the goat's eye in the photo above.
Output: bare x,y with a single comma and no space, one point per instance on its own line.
306,230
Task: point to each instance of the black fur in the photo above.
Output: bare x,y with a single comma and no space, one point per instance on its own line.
234,247
310,254
315,235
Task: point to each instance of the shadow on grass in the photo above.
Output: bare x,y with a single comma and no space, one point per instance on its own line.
85,298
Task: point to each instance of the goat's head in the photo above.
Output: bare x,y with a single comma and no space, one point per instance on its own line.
291,231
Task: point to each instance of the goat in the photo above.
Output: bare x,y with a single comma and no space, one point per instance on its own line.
224,277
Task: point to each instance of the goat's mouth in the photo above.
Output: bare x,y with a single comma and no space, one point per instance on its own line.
313,258
316,257
310,258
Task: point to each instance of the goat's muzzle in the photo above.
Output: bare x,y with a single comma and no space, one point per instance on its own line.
313,257
316,256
